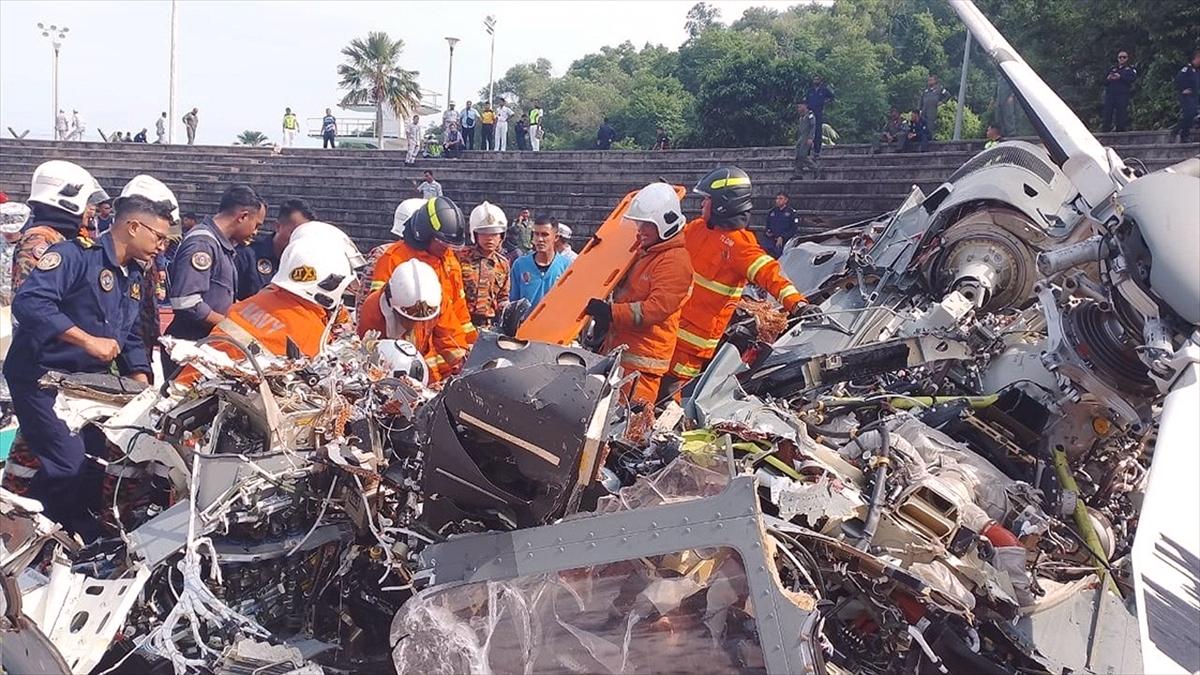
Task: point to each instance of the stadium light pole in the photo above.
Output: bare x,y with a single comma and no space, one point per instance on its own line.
171,85
450,77
962,89
56,35
489,24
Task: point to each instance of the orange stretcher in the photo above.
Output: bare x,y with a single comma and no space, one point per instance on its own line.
601,265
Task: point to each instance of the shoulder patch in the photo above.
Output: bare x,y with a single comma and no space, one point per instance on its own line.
202,261
50,261
107,280
265,266
303,274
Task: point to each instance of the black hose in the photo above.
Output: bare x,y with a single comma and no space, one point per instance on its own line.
878,491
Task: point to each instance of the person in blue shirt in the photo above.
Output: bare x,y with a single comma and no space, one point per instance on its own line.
535,273
918,136
818,96
257,261
328,130
1118,85
104,216
782,224
1187,83
467,119
78,313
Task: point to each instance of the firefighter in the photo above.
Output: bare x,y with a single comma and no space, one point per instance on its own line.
62,198
644,311
485,269
407,309
403,212
78,313
725,256
430,236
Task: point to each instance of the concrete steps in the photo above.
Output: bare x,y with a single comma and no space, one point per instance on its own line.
359,189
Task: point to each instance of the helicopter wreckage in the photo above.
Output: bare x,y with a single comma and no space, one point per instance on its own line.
979,456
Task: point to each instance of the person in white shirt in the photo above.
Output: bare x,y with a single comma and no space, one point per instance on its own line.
60,126
535,127
412,133
160,129
502,115
450,116
563,245
77,127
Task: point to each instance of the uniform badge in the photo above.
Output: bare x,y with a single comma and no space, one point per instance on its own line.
107,280
303,274
202,261
265,266
135,291
50,261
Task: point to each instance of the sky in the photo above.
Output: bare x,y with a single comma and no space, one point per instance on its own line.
242,63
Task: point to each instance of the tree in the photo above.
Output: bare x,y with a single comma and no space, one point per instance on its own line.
701,17
252,139
373,76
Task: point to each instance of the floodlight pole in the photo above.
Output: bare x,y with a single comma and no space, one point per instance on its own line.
962,89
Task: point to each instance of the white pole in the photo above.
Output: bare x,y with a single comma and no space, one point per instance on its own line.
174,63
962,89
55,127
491,66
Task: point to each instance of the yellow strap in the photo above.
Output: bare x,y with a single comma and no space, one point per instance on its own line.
729,182
468,327
644,362
685,371
697,341
431,209
787,292
717,287
376,285
635,309
757,265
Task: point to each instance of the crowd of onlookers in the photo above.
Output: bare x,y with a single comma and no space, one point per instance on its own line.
484,123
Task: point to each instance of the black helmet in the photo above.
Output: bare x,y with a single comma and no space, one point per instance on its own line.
729,189
439,219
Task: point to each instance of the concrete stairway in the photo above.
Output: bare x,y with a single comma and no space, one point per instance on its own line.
359,189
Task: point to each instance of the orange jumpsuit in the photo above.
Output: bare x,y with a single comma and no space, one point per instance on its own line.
371,317
645,313
454,333
724,262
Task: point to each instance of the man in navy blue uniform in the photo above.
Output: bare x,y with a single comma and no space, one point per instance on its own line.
257,261
1187,83
817,96
77,313
1118,85
204,276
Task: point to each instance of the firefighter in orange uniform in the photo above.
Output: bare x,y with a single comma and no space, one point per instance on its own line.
430,235
725,256
645,307
407,309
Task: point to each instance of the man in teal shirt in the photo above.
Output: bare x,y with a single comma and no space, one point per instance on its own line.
535,273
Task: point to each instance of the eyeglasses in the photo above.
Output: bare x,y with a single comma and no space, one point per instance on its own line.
159,238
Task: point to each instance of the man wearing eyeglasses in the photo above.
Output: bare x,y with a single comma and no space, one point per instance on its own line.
1118,85
78,313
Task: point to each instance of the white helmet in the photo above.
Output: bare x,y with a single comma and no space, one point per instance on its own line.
414,291
66,186
564,231
487,218
657,203
315,269
404,212
400,357
150,188
334,237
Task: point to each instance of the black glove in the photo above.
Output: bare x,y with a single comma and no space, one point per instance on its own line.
804,309
599,310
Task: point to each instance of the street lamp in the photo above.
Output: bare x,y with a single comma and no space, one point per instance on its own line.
489,24
56,35
450,78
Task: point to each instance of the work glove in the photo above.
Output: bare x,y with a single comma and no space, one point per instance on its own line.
804,309
599,310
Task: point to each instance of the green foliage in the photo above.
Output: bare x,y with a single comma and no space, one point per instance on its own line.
371,75
628,144
973,125
252,138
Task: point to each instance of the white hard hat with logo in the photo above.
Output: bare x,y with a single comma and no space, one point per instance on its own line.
403,212
414,291
487,218
657,203
149,187
315,268
66,186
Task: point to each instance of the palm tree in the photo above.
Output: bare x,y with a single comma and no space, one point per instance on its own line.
252,138
373,76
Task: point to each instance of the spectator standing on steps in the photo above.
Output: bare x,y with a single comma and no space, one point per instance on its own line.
918,136
487,120
535,127
518,238
782,225
449,117
61,130
77,126
1118,85
817,97
502,114
1005,107
521,133
1187,83
160,129
191,121
429,188
933,96
328,130
290,126
412,135
805,139
467,122
605,135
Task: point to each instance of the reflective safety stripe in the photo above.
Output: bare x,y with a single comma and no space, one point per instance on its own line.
16,470
431,209
757,265
787,292
687,371
435,361
376,285
453,356
635,308
185,301
717,287
697,341
644,362
729,182
468,327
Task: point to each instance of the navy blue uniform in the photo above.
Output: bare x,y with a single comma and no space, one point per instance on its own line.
204,279
816,97
781,224
75,284
1187,80
256,265
1116,98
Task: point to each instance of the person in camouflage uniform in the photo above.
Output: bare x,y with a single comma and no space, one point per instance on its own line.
485,269
518,239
